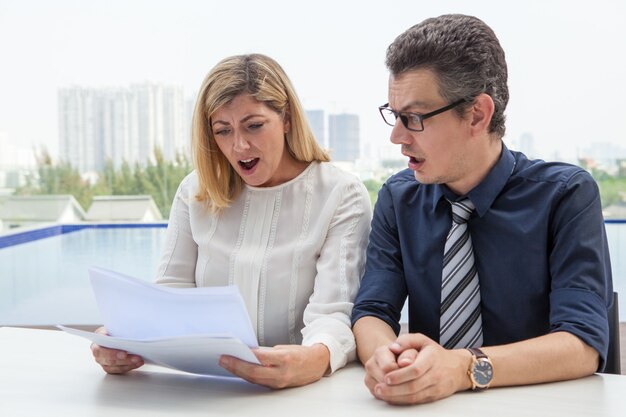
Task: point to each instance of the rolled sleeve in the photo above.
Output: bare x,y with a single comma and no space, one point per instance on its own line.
580,266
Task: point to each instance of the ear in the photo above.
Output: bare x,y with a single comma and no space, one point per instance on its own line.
287,121
481,113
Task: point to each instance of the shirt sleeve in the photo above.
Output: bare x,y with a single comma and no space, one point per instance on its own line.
339,269
383,288
580,266
177,265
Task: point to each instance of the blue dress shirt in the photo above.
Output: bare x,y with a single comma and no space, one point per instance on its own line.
539,243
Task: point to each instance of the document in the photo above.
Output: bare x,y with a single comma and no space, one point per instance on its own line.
195,354
181,328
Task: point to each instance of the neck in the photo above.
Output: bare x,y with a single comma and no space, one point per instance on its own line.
482,160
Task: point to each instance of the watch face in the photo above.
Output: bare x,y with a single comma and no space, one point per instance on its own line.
482,373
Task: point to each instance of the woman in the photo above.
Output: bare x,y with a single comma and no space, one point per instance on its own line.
265,211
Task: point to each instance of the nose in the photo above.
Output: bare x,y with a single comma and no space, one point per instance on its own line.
240,144
399,134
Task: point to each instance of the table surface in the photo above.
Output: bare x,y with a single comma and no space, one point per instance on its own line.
51,373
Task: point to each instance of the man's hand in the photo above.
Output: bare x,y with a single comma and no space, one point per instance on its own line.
378,366
282,366
114,361
424,371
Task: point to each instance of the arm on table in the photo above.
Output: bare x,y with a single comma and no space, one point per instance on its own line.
427,372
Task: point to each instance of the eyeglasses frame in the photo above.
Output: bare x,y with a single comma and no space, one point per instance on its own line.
404,116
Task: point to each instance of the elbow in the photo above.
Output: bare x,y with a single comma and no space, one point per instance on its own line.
592,361
589,360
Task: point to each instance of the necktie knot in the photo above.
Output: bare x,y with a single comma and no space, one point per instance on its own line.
461,210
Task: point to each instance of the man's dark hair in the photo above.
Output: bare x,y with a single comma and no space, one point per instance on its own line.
463,53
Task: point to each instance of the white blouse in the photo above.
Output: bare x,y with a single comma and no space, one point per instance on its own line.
296,251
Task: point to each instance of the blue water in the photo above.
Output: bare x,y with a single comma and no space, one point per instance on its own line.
45,282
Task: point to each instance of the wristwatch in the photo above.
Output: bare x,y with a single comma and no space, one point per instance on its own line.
480,371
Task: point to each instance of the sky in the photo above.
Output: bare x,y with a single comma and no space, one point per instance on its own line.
567,59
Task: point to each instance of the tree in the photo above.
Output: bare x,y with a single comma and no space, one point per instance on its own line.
158,178
57,179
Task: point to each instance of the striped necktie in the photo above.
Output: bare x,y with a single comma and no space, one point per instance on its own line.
461,323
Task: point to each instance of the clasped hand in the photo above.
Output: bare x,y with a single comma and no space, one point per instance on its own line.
415,369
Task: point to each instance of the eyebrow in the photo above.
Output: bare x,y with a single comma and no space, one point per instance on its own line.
245,119
415,103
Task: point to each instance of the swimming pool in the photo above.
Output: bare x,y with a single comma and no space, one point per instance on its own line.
45,281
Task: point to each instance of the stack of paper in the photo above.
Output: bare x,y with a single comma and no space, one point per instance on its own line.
180,328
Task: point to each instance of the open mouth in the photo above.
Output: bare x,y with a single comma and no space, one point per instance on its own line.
248,164
415,163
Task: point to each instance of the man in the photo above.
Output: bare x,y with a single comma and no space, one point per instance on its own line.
527,274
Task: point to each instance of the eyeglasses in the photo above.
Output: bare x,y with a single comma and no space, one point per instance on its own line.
412,121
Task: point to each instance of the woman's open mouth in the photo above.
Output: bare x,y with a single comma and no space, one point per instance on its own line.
248,164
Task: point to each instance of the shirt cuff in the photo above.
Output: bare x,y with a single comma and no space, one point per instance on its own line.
339,357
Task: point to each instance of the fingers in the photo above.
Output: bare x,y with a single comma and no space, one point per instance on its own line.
406,357
382,362
414,365
265,374
426,395
282,366
426,372
115,361
101,330
411,341
411,383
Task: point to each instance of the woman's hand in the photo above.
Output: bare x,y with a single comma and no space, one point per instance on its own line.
282,366
114,361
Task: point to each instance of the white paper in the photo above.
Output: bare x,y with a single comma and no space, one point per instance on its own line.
194,354
180,328
134,309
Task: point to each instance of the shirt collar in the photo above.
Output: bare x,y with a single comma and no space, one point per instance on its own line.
485,193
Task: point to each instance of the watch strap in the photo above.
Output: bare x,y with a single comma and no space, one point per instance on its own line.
477,352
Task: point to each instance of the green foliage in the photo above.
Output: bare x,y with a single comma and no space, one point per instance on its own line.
57,179
373,186
612,189
158,178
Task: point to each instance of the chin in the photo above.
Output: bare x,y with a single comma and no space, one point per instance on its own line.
422,179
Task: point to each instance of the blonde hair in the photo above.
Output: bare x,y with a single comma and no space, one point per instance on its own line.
262,78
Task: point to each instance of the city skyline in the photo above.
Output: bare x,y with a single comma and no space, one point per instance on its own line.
566,60
124,123
127,123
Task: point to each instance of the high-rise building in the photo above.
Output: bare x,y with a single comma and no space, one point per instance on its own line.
344,137
117,124
190,105
526,144
317,121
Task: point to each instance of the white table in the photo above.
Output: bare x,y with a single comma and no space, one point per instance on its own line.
50,373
